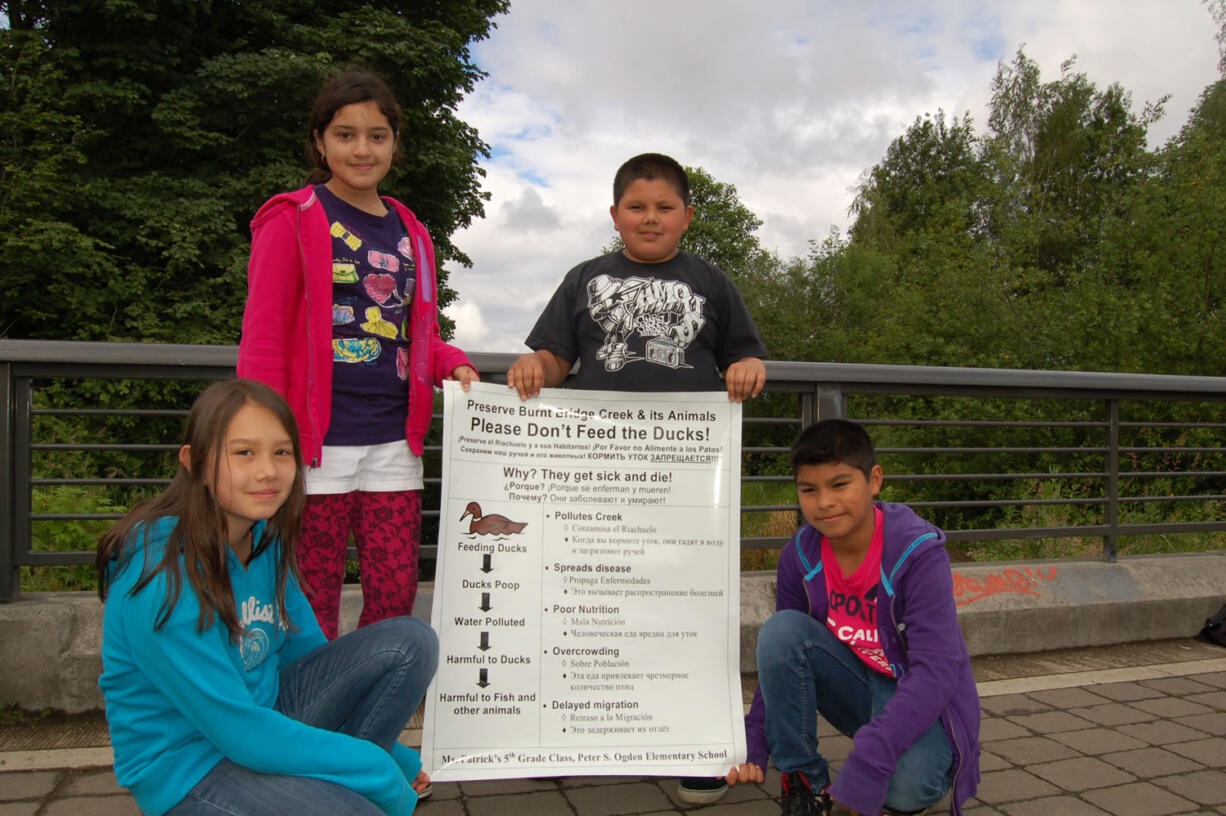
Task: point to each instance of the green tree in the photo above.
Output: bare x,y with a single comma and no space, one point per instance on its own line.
1172,254
990,250
44,142
1063,155
917,274
931,180
723,230
149,131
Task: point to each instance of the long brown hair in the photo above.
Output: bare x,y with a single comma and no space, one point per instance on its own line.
199,535
350,87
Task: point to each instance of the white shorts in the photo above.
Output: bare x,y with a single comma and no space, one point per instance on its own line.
387,468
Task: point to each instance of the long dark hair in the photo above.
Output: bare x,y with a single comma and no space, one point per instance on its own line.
350,87
198,538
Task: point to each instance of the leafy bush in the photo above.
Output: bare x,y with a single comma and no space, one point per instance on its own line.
67,536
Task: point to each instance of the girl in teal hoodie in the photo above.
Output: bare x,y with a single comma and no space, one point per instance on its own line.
222,694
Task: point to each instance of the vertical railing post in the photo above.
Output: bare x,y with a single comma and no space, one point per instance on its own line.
1111,511
808,408
23,404
10,573
831,402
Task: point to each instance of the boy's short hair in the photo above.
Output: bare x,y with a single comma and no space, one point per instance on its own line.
834,441
651,166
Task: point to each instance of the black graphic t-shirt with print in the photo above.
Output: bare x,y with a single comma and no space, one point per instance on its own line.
671,326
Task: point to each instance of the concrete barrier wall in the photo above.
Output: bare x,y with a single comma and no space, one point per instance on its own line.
49,643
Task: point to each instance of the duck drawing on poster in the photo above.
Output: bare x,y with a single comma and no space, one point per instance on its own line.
492,524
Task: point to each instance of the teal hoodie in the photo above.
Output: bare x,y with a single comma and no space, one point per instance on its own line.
179,700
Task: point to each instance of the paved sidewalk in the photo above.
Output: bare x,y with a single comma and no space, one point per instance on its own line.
1123,731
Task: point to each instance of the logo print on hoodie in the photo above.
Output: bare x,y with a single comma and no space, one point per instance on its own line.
255,644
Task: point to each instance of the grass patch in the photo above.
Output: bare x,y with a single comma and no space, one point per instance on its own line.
13,715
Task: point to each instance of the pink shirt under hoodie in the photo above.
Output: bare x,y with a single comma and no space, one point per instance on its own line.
287,323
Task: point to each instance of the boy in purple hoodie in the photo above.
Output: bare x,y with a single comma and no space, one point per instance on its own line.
866,634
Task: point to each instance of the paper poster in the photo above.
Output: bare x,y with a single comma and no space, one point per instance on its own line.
587,588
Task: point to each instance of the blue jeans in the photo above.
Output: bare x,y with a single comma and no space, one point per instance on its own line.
366,684
804,670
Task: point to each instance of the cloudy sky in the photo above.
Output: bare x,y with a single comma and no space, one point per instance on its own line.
788,100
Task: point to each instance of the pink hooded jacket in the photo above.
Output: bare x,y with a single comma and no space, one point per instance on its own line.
287,324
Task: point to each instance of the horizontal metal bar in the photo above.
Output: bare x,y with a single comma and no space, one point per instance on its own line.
1173,450
948,477
55,559
1155,474
1038,502
32,356
968,451
1216,425
101,446
105,482
143,412
764,542
1173,527
428,552
954,477
1011,533
979,423
1143,499
1087,531
1004,503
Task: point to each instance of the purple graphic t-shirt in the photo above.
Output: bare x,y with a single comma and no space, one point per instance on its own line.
373,280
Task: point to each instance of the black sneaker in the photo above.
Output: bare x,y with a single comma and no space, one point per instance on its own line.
889,811
799,798
701,790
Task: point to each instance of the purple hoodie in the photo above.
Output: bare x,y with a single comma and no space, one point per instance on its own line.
918,623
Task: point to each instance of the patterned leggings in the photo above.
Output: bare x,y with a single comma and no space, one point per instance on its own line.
387,530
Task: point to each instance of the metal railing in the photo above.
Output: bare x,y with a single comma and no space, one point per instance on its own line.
958,442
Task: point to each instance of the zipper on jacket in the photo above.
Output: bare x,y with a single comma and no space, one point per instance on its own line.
306,289
959,753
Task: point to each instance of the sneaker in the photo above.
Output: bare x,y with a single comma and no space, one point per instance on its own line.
889,811
701,790
799,798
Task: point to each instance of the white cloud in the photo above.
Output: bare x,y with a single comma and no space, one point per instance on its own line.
789,101
471,331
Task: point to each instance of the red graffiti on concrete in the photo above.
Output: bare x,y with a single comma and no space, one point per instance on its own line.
1021,581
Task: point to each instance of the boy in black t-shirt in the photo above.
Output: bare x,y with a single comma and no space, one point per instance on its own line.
651,317
648,318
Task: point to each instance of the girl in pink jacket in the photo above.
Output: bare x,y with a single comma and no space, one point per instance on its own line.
342,321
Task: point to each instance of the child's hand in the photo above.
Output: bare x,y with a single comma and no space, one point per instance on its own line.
745,378
526,375
466,374
421,782
747,772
